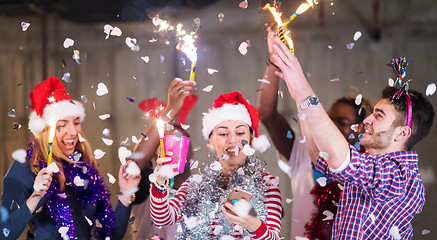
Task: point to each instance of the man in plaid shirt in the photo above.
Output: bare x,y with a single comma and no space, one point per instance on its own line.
382,188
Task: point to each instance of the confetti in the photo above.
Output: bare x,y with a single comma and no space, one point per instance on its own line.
221,16
25,26
243,48
212,71
244,4
194,165
289,135
6,232
106,132
111,178
53,167
225,157
350,46
351,136
197,178
76,56
430,89
123,153
240,171
191,222
132,44
185,127
329,215
264,81
335,80
283,166
108,142
242,208
281,94
81,138
89,221
227,237
11,113
357,35
4,214
104,116
98,154
303,140
79,181
110,30
321,181
19,155
68,42
208,88
161,58
135,140
340,186
216,166
83,99
288,200
132,168
217,229
391,82
63,231
130,99
355,127
66,77
301,238
329,46
247,150
358,99
146,59
425,231
101,89
394,232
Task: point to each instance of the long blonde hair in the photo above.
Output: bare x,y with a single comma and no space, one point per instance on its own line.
40,147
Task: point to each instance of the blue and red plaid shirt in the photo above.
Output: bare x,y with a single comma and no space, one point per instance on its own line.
381,195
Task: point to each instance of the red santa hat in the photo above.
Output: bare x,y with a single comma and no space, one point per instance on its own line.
232,106
51,103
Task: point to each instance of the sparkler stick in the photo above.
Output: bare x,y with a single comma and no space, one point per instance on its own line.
160,126
51,136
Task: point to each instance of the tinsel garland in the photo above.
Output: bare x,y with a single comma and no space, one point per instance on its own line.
326,198
93,192
206,198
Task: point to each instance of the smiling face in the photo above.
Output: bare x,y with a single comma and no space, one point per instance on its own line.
226,139
67,131
380,131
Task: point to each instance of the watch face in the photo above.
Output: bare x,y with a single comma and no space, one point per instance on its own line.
313,100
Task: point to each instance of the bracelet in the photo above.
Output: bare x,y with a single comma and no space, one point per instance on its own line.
158,199
268,62
161,188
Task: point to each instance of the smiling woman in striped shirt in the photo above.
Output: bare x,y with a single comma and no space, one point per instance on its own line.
231,126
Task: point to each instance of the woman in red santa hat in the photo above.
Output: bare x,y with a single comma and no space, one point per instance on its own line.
65,199
202,207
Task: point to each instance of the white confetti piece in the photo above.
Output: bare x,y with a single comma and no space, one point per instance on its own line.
132,44
191,222
430,89
335,80
391,82
107,141
123,153
63,231
283,166
132,168
216,166
136,140
242,208
212,70
303,140
288,200
79,181
264,81
322,181
425,231
179,228
243,48
329,215
197,178
104,116
329,46
116,32
98,154
101,89
89,221
357,35
53,167
166,171
146,59
111,178
247,150
394,232
208,88
68,42
355,127
185,127
19,155
194,165
350,46
358,99
324,155
25,26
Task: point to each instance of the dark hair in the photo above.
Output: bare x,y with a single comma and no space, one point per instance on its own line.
423,114
361,111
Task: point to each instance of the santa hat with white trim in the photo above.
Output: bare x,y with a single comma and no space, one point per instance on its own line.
232,106
51,103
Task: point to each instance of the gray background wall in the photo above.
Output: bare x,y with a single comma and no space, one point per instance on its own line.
407,28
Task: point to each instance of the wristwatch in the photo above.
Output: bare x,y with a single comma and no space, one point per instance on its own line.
309,102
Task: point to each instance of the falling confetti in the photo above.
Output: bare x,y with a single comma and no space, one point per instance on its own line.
106,132
357,35
53,167
78,181
25,26
132,44
194,165
242,208
135,140
243,48
146,59
208,88
132,168
288,200
335,80
11,113
425,231
247,150
212,71
391,82
283,166
104,116
244,4
111,178
216,166
123,153
303,140
430,89
68,42
264,81
350,46
184,126
66,77
322,181
394,232
98,154
329,215
281,94
197,178
83,99
110,30
355,127
329,46
289,135
358,99
81,138
19,155
101,89
76,56
108,142
130,99
225,157
161,58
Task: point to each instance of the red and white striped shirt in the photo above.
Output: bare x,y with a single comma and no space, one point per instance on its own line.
168,211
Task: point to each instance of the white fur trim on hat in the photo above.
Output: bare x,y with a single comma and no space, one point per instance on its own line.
55,112
261,143
226,112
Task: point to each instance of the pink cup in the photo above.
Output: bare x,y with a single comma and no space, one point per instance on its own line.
179,147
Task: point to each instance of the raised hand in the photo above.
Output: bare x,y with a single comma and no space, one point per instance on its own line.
177,92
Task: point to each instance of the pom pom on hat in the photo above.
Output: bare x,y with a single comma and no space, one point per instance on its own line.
51,103
232,106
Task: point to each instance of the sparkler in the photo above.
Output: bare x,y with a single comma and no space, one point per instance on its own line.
51,136
160,126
